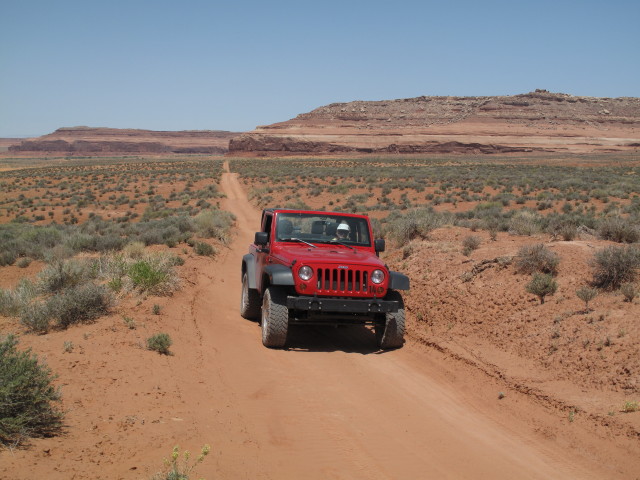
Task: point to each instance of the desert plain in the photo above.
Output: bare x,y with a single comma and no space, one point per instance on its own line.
491,382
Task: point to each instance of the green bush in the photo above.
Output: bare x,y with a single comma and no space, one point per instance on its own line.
27,397
615,265
146,276
160,342
541,285
537,258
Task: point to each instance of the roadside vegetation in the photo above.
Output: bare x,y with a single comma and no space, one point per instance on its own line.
29,403
99,230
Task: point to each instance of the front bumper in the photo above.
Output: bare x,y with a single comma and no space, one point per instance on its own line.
342,305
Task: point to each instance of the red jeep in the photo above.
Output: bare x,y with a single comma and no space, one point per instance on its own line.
320,268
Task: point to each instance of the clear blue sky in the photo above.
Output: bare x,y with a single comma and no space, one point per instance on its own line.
171,65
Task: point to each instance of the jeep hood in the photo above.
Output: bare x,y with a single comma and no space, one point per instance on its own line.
328,254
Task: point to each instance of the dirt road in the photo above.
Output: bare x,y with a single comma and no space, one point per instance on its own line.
328,407
332,406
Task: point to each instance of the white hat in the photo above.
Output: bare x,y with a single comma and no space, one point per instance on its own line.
344,226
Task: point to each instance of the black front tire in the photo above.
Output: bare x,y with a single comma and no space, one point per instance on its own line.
275,318
249,300
390,328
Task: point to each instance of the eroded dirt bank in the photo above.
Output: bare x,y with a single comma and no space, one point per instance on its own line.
330,406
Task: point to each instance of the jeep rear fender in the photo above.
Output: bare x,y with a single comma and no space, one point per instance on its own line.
249,266
279,275
398,281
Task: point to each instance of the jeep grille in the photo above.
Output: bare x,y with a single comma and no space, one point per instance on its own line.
335,281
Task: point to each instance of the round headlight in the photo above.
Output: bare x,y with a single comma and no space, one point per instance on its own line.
377,276
305,273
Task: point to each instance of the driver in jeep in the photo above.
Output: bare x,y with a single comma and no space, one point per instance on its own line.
342,232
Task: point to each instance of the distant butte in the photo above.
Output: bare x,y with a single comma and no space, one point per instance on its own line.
539,121
87,140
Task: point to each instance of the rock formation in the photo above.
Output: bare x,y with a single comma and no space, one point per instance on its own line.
536,121
86,140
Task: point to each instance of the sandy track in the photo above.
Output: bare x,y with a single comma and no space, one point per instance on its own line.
331,406
328,407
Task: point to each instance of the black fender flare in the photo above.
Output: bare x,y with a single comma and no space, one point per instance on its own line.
398,281
249,266
279,275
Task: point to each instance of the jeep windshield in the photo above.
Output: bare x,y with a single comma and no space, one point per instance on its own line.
322,228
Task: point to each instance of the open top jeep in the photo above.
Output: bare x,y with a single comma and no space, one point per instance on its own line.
320,268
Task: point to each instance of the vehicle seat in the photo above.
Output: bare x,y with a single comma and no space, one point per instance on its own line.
317,227
285,227
331,229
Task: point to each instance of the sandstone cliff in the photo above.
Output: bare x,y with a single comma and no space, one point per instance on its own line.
88,140
536,121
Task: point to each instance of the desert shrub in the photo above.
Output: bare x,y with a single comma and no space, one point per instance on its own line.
12,301
108,242
470,243
62,274
297,204
568,232
618,230
79,241
376,226
160,342
415,224
586,294
154,274
629,290
541,285
563,226
36,317
525,222
537,258
176,470
7,257
204,249
27,397
24,262
145,275
79,304
214,224
615,265
134,250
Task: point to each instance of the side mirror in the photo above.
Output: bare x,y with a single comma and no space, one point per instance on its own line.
262,238
379,245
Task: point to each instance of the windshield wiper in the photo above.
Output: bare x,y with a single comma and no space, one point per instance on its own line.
343,244
297,240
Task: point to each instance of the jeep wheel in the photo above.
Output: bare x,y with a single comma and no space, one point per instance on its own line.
390,330
249,300
275,318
